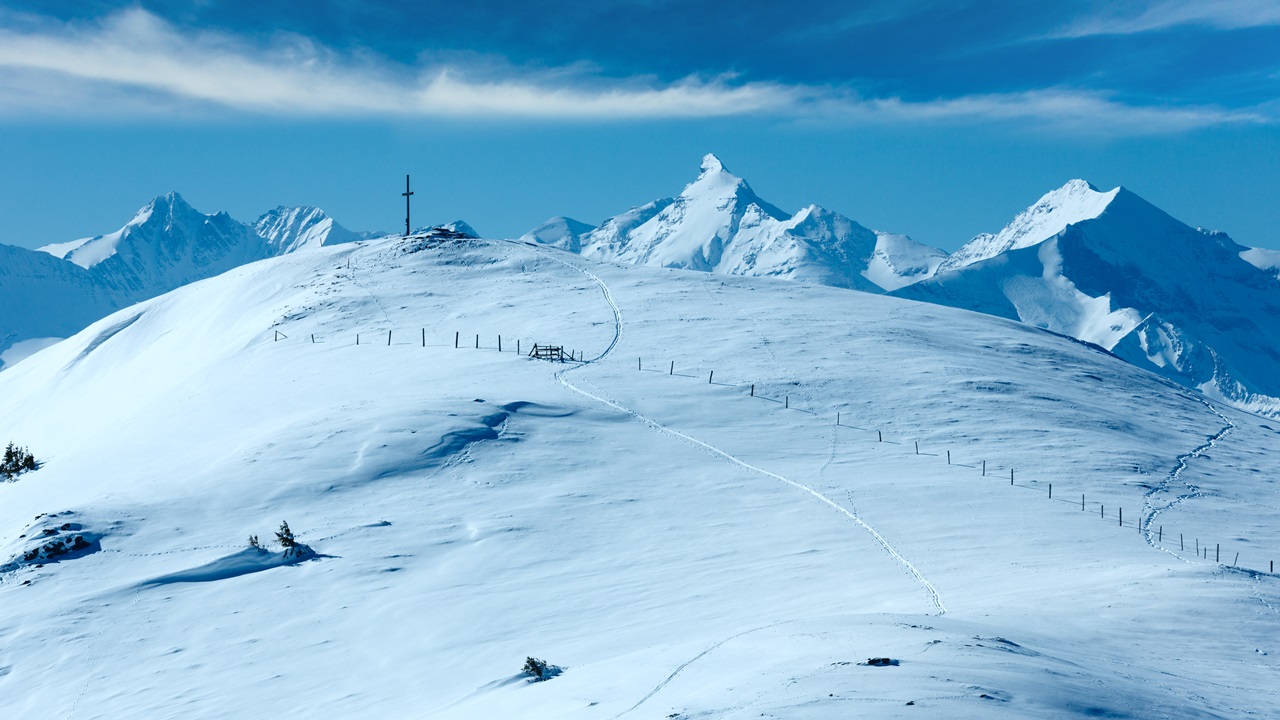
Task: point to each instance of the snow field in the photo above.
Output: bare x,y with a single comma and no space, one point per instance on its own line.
475,509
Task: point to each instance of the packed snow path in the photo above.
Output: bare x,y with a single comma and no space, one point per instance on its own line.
599,396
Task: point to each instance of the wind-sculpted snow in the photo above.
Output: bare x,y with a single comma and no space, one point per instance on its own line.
682,544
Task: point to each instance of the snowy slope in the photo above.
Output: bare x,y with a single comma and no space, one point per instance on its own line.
682,544
1132,279
718,224
42,297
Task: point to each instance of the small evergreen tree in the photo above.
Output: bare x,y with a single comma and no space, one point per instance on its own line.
284,536
253,542
16,461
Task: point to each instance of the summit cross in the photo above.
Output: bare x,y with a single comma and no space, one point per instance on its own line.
407,192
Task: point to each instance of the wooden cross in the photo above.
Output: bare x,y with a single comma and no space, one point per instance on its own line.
406,195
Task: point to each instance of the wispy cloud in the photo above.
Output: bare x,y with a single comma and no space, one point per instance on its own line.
134,63
1164,14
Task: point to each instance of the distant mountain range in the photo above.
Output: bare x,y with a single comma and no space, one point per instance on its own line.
718,224
56,290
1107,268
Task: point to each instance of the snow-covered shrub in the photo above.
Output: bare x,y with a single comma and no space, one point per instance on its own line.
292,548
538,670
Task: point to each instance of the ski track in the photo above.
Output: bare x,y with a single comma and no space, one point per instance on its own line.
1150,511
934,596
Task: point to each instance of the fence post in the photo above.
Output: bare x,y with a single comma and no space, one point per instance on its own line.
1121,517
388,338
984,468
1161,535
1102,511
948,457
517,346
639,365
1182,546
1217,552
672,371
837,418
455,340
879,436
917,447
1010,476
753,389
786,401
1081,502
499,342
424,337
313,338
711,377
1050,491
1236,561
357,338
477,341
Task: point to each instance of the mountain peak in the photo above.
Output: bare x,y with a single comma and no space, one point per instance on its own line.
712,164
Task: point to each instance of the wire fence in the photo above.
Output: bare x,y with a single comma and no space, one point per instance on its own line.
525,346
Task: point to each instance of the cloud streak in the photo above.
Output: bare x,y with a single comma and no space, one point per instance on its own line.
1166,14
135,64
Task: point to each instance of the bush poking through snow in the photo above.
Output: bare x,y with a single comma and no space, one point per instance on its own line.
17,460
284,536
538,670
253,542
292,548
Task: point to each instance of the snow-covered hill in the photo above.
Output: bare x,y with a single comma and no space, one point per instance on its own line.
1112,269
718,224
681,543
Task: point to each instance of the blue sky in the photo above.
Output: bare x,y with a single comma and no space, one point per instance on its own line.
936,119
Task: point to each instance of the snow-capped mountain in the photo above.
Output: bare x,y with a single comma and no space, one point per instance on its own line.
52,292
290,229
562,232
718,224
167,244
1112,269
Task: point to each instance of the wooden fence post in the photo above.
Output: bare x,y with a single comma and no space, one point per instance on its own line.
1081,502
672,371
455,340
1217,552
711,377
477,341
357,338
1010,476
313,338
639,364
499,342
1050,491
388,338
1121,517
984,468
786,401
917,447
837,418
424,337
879,436
948,457
517,346
753,389
1236,561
